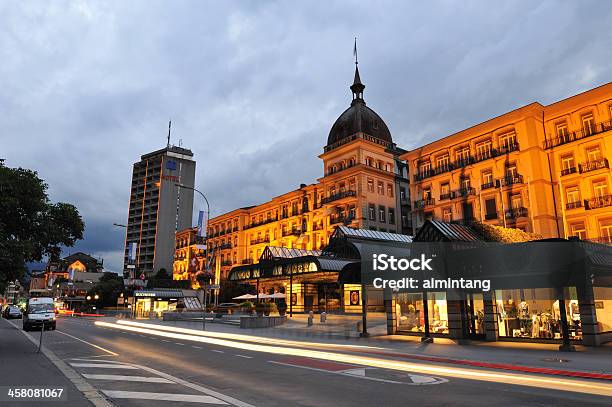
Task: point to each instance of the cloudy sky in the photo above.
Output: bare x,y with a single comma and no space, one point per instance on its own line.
253,87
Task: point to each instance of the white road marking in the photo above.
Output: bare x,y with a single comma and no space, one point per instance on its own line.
103,366
218,351
89,343
142,395
244,356
196,347
127,378
178,343
165,340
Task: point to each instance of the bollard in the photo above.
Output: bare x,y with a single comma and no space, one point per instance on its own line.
310,316
323,317
359,325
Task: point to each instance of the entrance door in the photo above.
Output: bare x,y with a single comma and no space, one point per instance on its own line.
308,301
475,316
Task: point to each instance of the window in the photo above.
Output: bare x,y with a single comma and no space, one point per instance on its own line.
588,123
605,231
370,185
444,189
572,194
352,185
487,179
381,214
427,193
462,155
425,168
391,215
516,201
402,193
593,154
568,165
443,161
369,162
490,209
561,130
372,212
511,171
483,150
390,190
465,183
577,229
447,215
600,188
507,141
381,188
468,211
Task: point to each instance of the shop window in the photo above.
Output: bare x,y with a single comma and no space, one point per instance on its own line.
603,308
535,313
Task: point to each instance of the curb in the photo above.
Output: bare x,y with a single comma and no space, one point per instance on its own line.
90,393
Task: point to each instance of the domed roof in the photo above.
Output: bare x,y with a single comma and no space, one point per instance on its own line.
358,118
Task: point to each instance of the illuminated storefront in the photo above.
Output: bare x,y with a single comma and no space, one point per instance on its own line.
152,303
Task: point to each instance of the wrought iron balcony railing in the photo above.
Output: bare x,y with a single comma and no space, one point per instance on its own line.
594,165
598,202
573,205
568,171
338,195
587,131
515,213
422,203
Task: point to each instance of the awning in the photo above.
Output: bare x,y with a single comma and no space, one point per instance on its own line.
159,293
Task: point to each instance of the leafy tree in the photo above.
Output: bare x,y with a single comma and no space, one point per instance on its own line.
31,227
108,289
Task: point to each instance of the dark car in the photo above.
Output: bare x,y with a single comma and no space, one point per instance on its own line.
12,312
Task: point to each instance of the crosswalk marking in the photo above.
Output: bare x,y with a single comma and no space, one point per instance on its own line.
103,365
123,378
190,398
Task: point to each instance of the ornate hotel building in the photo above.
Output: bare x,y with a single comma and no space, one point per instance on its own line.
364,185
543,169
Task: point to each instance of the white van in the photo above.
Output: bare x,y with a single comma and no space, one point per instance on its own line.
39,311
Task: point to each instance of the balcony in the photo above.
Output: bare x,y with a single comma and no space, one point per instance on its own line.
292,232
263,222
464,192
515,213
594,165
573,205
580,134
422,203
568,171
598,202
509,180
260,240
337,196
465,161
226,263
340,219
448,195
487,185
601,239
247,261
224,246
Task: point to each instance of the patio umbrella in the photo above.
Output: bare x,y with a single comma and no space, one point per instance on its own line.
245,297
277,295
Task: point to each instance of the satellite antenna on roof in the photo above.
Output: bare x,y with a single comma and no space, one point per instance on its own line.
169,128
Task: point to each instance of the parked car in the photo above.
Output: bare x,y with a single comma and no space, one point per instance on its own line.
11,312
226,308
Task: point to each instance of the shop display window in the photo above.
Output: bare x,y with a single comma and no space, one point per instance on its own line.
410,315
534,313
603,308
438,314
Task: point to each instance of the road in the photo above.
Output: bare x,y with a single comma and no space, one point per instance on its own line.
138,367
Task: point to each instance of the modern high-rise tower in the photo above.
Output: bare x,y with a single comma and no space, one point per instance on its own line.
158,208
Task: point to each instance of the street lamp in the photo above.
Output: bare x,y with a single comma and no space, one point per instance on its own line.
96,296
205,241
88,297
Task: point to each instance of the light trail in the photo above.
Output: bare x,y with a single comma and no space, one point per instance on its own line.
580,386
246,338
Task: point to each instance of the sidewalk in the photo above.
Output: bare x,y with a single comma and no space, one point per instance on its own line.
21,366
496,355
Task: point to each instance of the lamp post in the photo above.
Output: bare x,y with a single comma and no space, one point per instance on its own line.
205,242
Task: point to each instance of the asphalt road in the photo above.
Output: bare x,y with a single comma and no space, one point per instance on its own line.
164,370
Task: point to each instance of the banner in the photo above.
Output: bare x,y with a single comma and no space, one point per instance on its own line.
201,227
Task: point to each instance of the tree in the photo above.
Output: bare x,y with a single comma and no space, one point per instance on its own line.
108,289
31,227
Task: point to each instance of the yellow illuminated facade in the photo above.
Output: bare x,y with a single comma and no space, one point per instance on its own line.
364,185
542,169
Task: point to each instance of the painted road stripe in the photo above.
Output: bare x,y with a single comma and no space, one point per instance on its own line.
244,356
218,351
196,347
127,378
142,395
102,365
178,343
